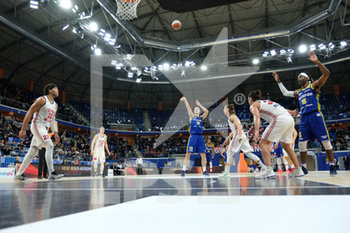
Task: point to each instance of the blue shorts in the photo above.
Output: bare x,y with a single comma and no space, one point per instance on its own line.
196,144
278,153
209,157
313,126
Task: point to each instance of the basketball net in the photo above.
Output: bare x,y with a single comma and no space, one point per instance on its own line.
127,9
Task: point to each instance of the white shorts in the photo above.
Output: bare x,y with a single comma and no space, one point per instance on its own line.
281,128
99,155
236,146
40,135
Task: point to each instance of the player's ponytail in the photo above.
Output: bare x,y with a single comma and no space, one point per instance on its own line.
255,95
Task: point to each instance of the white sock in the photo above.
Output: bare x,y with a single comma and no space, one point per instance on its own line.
204,169
184,168
211,165
227,168
261,165
292,166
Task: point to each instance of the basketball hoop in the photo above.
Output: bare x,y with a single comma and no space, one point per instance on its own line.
127,9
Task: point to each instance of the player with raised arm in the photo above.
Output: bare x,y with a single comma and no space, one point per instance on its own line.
196,142
312,123
98,146
281,125
238,141
44,110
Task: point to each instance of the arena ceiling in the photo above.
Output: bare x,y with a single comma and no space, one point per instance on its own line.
34,46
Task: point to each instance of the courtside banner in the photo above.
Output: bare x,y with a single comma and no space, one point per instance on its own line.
66,170
6,172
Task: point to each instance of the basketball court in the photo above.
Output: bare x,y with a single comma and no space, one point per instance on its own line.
153,201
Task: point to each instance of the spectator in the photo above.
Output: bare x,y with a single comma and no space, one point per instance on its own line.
346,162
120,168
139,163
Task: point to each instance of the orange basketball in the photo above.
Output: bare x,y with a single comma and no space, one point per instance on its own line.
176,25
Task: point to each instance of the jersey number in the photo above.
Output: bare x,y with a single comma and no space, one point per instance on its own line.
100,144
268,102
49,118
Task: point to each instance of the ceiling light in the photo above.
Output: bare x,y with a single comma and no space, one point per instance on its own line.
66,4
130,74
312,47
255,61
331,46
204,67
266,54
34,4
111,42
302,48
93,26
322,46
273,52
343,44
166,66
138,80
283,52
75,8
102,32
93,47
98,51
65,27
107,37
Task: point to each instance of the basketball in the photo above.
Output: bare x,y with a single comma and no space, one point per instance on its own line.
176,25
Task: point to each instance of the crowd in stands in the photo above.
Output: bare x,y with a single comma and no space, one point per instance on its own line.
75,146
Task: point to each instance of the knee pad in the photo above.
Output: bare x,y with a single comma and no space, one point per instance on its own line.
230,157
303,146
327,145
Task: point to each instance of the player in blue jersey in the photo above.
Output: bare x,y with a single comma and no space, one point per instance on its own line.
195,141
209,149
312,123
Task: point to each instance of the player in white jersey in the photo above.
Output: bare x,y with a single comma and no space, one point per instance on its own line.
99,143
44,110
238,141
281,127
